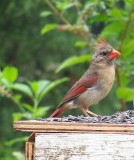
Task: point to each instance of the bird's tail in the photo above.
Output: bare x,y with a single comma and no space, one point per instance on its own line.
58,111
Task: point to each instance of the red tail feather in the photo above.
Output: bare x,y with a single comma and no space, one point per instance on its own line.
58,112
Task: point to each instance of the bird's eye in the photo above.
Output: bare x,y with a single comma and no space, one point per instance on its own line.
103,53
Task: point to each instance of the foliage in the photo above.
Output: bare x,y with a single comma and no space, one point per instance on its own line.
35,90
73,60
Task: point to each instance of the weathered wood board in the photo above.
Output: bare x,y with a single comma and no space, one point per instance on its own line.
40,126
78,141
79,146
29,150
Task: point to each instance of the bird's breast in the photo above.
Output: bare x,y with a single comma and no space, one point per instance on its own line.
106,78
97,92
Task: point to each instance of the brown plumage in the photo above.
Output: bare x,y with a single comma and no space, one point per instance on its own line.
95,84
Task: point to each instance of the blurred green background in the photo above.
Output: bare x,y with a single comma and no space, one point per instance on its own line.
45,48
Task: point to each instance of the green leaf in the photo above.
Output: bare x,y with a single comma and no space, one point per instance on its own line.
74,60
10,73
46,13
129,1
128,48
80,44
12,142
19,116
125,93
42,84
34,86
41,111
5,82
28,107
88,6
130,67
66,5
116,13
38,86
102,17
18,97
112,29
124,79
48,28
23,88
51,86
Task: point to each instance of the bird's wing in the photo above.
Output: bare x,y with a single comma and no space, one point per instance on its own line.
79,87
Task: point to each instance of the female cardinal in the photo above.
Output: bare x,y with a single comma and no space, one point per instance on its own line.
95,84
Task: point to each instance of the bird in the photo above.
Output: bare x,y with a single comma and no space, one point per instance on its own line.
95,83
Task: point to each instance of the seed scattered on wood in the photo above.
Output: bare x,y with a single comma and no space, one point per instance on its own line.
126,117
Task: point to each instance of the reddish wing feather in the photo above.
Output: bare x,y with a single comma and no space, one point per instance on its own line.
75,92
79,87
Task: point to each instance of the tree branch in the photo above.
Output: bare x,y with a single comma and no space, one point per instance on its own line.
126,28
85,40
8,95
120,49
57,12
119,85
66,21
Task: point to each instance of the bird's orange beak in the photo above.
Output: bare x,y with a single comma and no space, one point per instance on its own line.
114,54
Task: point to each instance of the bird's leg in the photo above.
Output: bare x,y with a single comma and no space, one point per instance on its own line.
83,110
93,114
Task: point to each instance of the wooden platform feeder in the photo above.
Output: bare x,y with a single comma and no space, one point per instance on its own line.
78,141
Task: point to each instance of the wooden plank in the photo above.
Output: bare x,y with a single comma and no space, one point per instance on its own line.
78,146
29,150
40,126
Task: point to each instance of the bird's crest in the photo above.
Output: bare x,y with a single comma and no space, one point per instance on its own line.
102,43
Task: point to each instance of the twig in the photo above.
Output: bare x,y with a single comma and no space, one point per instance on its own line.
85,26
7,94
84,39
120,49
57,12
119,85
81,17
66,21
126,28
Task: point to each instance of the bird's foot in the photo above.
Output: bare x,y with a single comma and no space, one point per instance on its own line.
93,114
85,111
